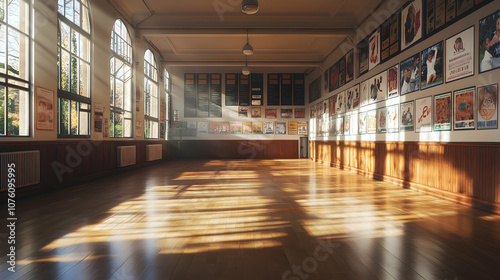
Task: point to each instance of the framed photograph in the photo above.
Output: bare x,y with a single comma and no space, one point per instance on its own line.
463,109
256,112
334,77
314,90
339,126
292,128
364,97
395,35
442,112
256,127
460,55
236,127
489,42
431,73
378,87
382,120
247,128
242,112
409,70
272,113
374,50
362,48
332,105
349,66
300,113
451,10
362,121
325,82
302,128
393,118
393,81
353,98
286,113
224,128
411,24
423,114
280,127
371,121
440,17
487,107
430,16
342,71
347,125
463,6
406,113
340,103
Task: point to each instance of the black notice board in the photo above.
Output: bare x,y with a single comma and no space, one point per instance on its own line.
203,95
273,89
190,95
257,89
298,89
216,95
286,90
232,89
244,90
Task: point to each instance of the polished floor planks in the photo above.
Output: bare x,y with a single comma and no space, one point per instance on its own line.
250,219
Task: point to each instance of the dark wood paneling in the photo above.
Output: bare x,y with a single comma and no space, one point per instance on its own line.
465,172
229,149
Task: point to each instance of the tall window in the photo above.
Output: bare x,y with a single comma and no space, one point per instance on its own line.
168,90
14,68
73,67
121,82
151,96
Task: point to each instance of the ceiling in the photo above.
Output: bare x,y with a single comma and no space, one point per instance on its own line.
293,33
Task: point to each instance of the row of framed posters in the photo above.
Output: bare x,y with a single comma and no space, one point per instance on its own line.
465,109
271,113
237,127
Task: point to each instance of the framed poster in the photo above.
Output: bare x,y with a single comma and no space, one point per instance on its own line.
354,124
334,77
430,16
332,105
272,113
410,74
463,109
393,118
98,117
393,81
256,102
342,71
382,120
314,90
191,125
423,114
300,113
292,128
202,127
371,121
364,88
45,109
460,55
340,104
247,128
280,127
407,112
374,50
302,128
330,126
268,128
256,112
256,127
440,16
385,42
378,87
319,110
325,82
362,121
451,10
236,127
286,113
489,42
362,48
395,35
224,128
442,112
326,107
411,24
213,127
242,112
431,73
349,66
339,126
353,97
487,107
347,125
464,6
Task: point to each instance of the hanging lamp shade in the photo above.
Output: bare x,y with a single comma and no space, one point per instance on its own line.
245,70
250,6
247,49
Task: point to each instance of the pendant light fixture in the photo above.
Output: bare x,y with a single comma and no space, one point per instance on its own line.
249,7
246,70
247,48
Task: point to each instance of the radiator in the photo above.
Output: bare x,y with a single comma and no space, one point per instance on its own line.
153,152
26,169
125,155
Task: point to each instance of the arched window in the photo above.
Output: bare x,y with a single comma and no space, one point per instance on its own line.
73,67
15,70
168,101
151,104
121,82
168,86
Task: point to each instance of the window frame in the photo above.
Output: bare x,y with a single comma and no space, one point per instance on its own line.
148,118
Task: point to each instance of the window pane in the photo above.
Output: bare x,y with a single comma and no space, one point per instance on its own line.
119,94
127,94
127,129
13,13
74,118
3,43
85,20
84,123
65,70
2,110
84,50
64,116
75,41
18,112
65,34
112,90
111,126
60,7
77,13
84,106
68,10
84,79
117,121
74,75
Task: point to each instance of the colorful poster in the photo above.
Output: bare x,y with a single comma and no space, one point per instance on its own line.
292,128
224,128
460,55
280,127
378,87
347,125
393,118
247,128
326,108
286,113
339,126
314,90
257,127
268,127
362,48
374,50
340,103
393,81
411,23
362,123
325,82
487,107
349,61
300,113
202,127
382,120
407,112
45,109
334,77
98,114
354,124
242,112
464,109
410,74
423,114
236,127
302,128
332,105
256,112
371,121
352,100
272,113
431,73
191,125
365,93
442,112
489,42
213,127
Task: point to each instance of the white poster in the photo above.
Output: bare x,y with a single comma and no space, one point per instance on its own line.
374,50
460,55
202,127
392,118
423,114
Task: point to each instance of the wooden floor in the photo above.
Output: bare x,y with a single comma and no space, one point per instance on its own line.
260,219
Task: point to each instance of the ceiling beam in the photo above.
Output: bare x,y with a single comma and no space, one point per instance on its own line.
305,64
232,32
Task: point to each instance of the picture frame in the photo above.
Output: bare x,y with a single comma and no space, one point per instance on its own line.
409,75
362,48
393,118
411,24
443,106
362,123
382,120
487,107
371,122
460,55
393,81
407,113
374,49
489,55
423,114
463,109
349,61
432,66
